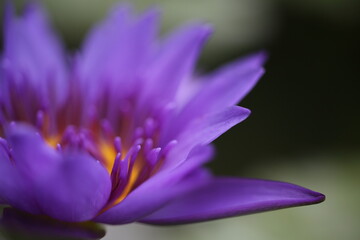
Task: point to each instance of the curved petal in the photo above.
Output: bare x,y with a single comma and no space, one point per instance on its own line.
66,186
224,88
227,197
15,190
31,162
31,155
160,189
204,130
228,85
75,191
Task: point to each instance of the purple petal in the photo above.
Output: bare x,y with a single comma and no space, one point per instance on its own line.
229,85
15,190
31,49
67,186
205,130
117,49
227,197
32,161
175,61
103,40
160,189
76,191
32,156
224,88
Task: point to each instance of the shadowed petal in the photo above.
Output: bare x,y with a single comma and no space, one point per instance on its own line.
227,197
160,189
15,224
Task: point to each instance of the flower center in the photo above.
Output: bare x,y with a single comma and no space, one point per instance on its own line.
128,164
126,144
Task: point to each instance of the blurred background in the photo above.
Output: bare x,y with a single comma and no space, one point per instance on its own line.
305,122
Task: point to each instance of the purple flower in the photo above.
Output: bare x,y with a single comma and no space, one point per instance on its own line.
120,131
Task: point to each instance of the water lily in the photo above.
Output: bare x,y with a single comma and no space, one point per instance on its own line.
119,131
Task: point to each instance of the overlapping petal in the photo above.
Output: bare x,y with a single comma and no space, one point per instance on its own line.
69,186
219,90
174,62
76,191
34,55
160,189
204,130
116,51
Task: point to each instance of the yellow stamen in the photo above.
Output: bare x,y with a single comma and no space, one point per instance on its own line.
52,141
109,154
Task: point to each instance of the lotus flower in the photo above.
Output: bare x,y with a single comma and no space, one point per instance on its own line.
119,131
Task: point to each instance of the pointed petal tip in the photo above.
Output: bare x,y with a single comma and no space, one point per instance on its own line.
317,197
237,113
245,111
252,61
153,12
230,197
206,30
32,6
262,55
200,30
121,8
34,10
197,32
8,14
